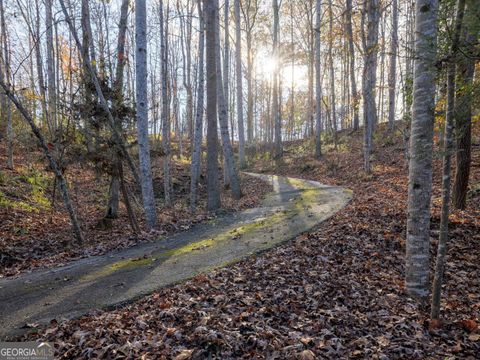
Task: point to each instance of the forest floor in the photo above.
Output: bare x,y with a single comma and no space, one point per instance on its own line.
336,292
31,301
36,234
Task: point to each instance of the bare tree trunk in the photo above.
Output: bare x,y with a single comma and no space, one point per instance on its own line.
249,89
446,175
332,73
392,74
465,98
128,205
229,160
381,86
197,144
39,63
292,91
142,112
239,79
371,9
225,89
166,125
250,11
3,97
213,195
318,82
275,107
53,164
52,101
112,207
421,148
6,108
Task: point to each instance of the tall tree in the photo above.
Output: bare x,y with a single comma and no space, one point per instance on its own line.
239,82
446,176
250,10
465,95
370,47
112,207
318,81
421,148
275,106
142,112
351,48
166,126
333,109
213,195
392,74
6,76
229,161
197,143
51,83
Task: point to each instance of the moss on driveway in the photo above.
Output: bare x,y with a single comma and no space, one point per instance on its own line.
295,206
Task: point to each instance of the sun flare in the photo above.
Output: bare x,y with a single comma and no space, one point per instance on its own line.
266,64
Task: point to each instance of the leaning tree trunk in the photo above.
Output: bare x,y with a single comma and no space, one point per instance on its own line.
102,101
392,74
197,143
465,96
421,149
318,82
446,176
213,195
53,164
239,79
142,112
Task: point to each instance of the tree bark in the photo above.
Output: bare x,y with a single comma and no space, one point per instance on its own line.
446,174
353,82
239,83
465,96
6,76
197,144
229,161
166,124
213,194
52,101
392,74
113,198
318,82
332,73
142,113
421,149
275,105
371,10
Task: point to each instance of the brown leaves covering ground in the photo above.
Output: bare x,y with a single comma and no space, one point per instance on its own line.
35,236
336,292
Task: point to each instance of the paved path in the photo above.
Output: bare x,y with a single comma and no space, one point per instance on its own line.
295,206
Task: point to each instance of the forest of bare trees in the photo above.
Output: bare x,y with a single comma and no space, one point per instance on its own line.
130,91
